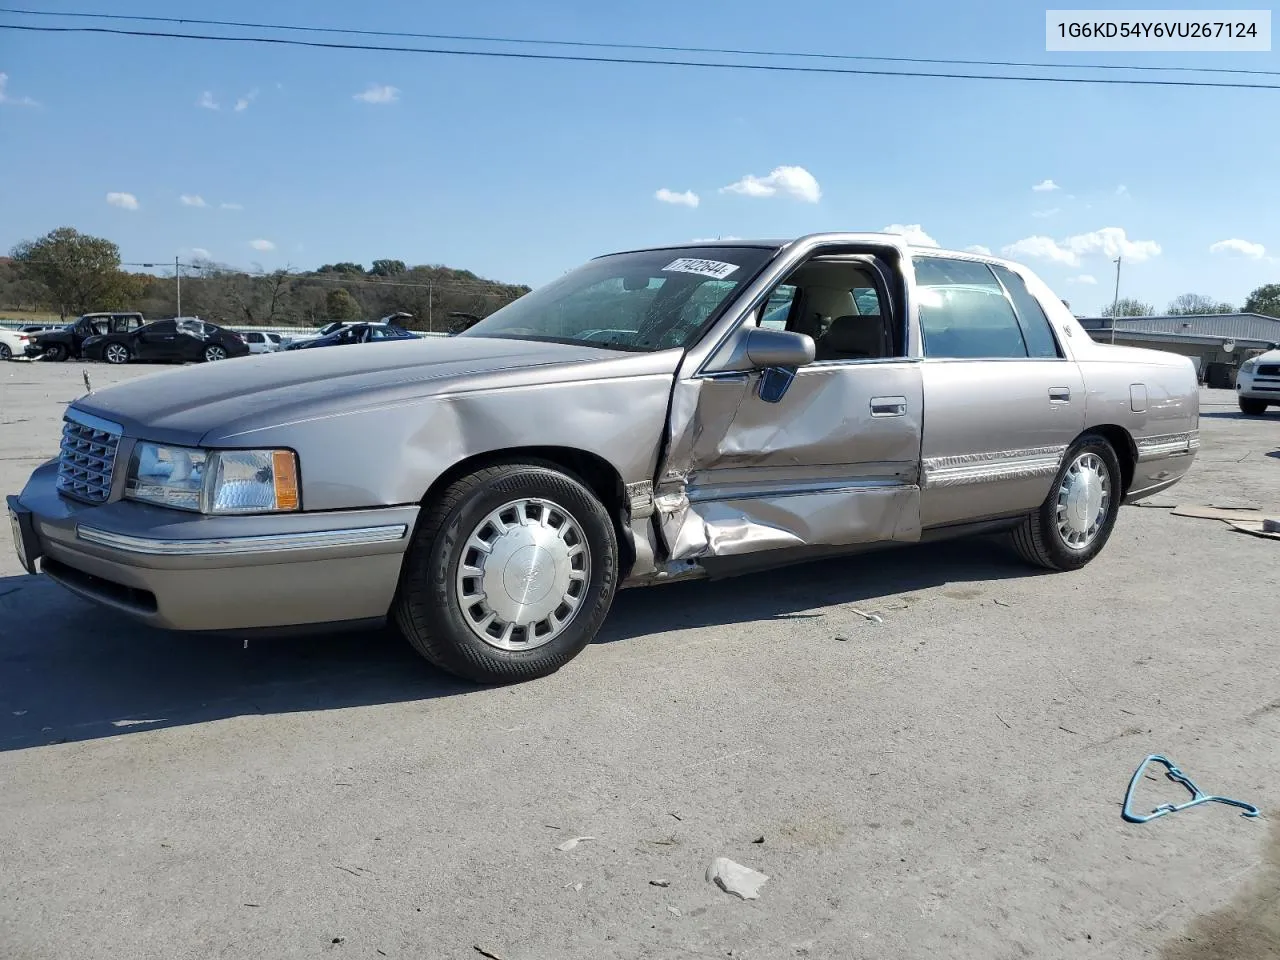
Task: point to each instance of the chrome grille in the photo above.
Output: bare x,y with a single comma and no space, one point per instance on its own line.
88,457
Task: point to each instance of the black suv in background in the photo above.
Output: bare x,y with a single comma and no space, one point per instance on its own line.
67,342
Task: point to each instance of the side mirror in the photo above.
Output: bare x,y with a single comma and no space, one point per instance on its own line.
767,348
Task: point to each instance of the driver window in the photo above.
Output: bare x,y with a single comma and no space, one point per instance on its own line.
838,304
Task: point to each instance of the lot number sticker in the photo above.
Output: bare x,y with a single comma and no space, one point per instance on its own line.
706,268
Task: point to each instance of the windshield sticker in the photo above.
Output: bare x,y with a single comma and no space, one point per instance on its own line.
705,268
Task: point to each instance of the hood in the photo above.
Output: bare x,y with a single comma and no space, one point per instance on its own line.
1271,356
222,399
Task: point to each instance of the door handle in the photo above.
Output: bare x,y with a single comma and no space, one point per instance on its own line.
888,406
1059,394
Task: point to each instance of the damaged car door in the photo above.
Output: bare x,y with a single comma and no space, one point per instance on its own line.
764,454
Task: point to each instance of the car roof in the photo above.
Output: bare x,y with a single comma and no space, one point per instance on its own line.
873,236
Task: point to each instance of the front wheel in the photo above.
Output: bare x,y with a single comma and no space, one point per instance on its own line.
509,575
116,353
1073,524
1251,407
213,353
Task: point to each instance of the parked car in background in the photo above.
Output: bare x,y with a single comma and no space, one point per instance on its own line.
354,333
67,342
186,340
260,341
490,491
13,343
1258,383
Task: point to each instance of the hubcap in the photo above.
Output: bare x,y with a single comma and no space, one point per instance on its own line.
1084,496
117,354
215,353
523,574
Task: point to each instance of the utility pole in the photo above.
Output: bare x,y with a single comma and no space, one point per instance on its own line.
177,276
1115,306
430,324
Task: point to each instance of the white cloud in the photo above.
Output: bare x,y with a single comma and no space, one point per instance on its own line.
379,94
200,253
206,100
242,103
1043,214
1084,278
686,199
16,101
125,201
262,246
1122,191
1245,248
1111,241
192,200
1044,186
231,206
913,232
795,182
979,248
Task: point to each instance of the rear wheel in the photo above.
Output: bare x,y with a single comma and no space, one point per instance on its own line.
116,353
1075,521
510,574
1252,407
214,352
55,352
5,352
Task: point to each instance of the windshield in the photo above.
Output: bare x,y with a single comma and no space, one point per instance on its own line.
646,301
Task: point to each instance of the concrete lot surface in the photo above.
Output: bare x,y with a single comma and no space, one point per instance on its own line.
946,783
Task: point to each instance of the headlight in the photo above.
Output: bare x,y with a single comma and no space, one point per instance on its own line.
214,481
1249,366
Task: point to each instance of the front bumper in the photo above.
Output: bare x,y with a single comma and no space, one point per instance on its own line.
187,572
1258,388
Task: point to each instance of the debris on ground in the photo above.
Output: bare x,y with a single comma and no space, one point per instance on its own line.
1198,796
1156,504
1001,603
659,883
675,912
873,617
338,940
735,879
572,842
486,953
1203,512
1270,529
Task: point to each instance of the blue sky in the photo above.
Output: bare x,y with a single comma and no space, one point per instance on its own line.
520,170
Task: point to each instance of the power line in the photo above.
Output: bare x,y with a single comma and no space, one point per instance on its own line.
568,58
606,45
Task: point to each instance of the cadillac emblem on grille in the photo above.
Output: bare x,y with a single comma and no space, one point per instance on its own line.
88,456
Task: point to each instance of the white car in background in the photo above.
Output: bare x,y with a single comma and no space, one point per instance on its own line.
1258,383
262,342
13,343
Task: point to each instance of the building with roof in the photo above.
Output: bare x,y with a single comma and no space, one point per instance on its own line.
1217,343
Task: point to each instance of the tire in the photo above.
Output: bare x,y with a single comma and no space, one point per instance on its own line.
1251,407
55,352
430,610
116,353
1040,541
213,353
5,352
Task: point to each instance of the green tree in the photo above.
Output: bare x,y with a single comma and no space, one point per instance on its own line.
387,268
1264,300
1189,304
340,305
345,267
80,272
1129,307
